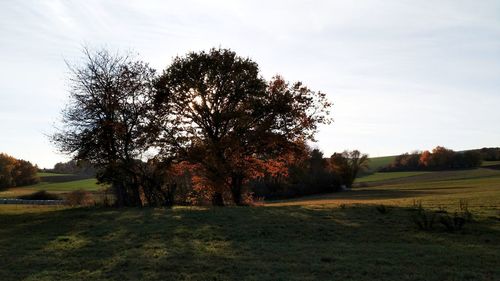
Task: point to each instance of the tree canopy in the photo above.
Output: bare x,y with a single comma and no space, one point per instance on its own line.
107,119
16,172
212,111
220,113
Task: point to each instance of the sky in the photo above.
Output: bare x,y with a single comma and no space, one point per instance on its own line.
403,75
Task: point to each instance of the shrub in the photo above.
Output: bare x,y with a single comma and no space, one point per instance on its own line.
463,209
79,198
40,195
454,223
423,219
249,199
382,209
459,219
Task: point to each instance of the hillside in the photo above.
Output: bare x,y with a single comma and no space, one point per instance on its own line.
55,183
378,162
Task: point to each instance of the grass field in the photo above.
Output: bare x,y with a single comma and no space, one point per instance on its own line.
86,184
43,174
387,176
480,187
338,236
490,163
379,162
54,183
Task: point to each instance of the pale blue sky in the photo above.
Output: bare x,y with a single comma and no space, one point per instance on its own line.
403,75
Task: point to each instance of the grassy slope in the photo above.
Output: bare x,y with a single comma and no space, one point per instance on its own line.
481,187
55,183
490,163
86,184
387,176
379,162
307,239
42,174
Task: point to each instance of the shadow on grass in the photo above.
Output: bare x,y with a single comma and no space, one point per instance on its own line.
440,176
261,243
357,194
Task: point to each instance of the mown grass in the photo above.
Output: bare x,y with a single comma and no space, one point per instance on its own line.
65,186
378,162
490,163
261,243
43,174
339,236
387,176
480,187
85,184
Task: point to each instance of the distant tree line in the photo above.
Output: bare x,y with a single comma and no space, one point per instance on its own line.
75,167
16,172
490,153
311,173
440,158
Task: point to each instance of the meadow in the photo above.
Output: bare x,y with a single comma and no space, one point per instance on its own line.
55,183
333,236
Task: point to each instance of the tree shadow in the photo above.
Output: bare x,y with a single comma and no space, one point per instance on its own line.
271,243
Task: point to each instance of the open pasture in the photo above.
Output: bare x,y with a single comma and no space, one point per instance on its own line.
338,236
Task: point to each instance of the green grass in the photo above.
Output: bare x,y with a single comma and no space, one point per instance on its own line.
378,162
338,236
387,176
266,243
481,187
490,163
42,174
67,185
85,184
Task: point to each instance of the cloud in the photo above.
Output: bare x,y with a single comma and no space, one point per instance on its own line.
403,74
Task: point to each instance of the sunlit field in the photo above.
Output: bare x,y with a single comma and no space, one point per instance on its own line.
387,176
54,183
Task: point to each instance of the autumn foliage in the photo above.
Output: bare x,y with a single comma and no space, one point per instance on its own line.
440,158
312,173
209,115
16,172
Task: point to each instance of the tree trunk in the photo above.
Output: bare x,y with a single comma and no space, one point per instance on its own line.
236,186
136,196
217,199
120,194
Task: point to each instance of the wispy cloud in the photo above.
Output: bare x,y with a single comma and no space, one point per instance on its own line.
403,74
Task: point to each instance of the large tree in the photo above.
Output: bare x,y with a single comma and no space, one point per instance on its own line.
218,112
107,119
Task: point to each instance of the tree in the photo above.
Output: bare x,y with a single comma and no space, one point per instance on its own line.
347,165
81,167
319,177
16,172
490,153
217,111
7,166
25,173
107,119
442,158
405,161
425,160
